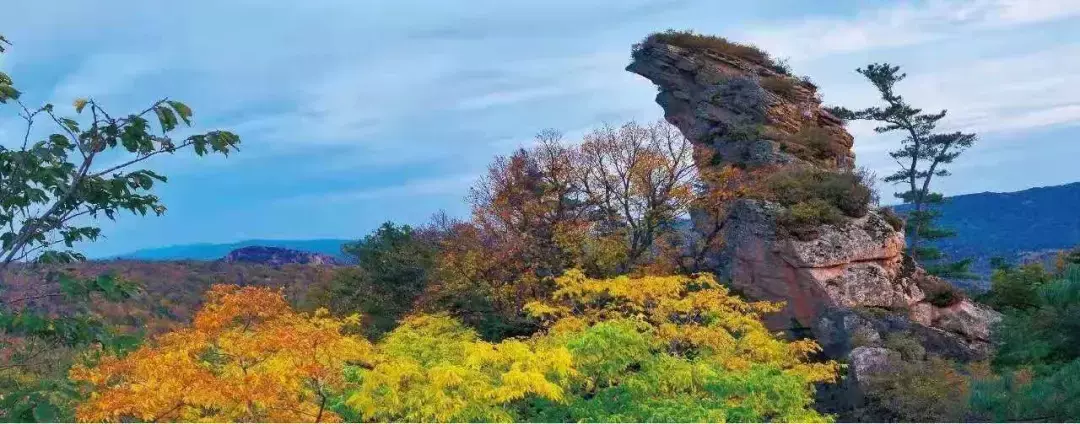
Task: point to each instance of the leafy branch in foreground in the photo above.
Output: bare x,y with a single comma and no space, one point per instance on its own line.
47,185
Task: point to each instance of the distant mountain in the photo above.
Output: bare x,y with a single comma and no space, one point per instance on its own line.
1017,226
210,252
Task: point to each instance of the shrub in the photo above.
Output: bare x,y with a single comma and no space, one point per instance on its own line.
894,220
720,45
932,390
942,294
782,86
847,192
910,349
816,142
802,219
815,197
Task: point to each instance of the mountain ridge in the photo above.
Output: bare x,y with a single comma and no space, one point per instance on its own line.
215,251
1009,224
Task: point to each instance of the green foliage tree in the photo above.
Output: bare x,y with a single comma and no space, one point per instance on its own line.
1016,288
922,156
47,185
1037,358
394,266
51,190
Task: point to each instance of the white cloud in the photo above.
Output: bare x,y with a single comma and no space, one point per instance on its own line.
903,24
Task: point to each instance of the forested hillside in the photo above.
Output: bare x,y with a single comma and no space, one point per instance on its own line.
1010,225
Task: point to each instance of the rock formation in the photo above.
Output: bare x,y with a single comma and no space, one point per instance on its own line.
751,114
277,256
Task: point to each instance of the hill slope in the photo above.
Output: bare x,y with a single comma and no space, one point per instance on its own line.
1011,224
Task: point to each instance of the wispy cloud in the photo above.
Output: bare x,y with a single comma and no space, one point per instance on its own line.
903,24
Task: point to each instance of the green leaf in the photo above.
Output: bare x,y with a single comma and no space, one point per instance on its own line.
181,109
79,104
166,117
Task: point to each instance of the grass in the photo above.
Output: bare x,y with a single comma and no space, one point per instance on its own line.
720,45
814,145
782,86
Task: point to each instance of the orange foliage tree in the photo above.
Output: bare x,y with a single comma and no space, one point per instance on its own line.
247,357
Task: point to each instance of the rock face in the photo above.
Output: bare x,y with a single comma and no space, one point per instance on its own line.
756,118
718,100
276,256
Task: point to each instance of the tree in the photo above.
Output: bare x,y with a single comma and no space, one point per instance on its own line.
432,368
246,357
394,266
529,200
1037,358
46,186
674,349
1016,288
51,190
640,179
922,156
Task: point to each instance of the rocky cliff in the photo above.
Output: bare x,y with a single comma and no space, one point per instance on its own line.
750,113
277,256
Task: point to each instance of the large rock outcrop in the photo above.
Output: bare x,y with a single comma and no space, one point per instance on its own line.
277,256
755,116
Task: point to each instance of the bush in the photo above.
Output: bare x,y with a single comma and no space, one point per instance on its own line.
942,294
720,45
802,219
932,390
816,142
1016,288
782,86
894,220
847,192
910,349
815,197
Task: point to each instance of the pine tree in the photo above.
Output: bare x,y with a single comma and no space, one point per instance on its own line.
922,155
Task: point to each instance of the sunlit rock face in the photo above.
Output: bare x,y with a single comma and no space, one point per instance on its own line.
756,117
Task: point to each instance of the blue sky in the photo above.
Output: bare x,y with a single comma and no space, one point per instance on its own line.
357,112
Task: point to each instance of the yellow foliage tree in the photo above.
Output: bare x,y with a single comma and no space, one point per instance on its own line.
675,348
432,368
247,357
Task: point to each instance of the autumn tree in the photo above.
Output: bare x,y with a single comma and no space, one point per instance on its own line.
432,368
923,155
639,179
246,357
528,200
678,348
715,193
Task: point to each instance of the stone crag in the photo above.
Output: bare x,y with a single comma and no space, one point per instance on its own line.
755,117
277,256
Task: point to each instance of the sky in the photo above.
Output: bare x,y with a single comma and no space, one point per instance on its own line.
356,112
